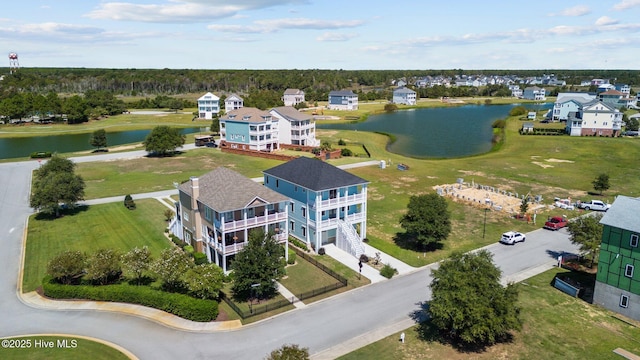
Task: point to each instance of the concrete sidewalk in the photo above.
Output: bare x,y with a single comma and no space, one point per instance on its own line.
368,271
289,296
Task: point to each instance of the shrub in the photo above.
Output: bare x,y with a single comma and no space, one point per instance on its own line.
342,142
128,202
181,305
321,251
390,107
499,124
346,152
364,258
200,258
67,267
188,249
387,271
41,154
292,258
168,215
298,243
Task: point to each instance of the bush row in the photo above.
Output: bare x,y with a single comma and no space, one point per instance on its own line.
298,243
178,304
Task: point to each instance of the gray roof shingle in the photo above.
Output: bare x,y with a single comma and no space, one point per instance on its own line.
314,174
623,214
226,190
291,113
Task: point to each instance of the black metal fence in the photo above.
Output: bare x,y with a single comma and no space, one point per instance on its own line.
273,305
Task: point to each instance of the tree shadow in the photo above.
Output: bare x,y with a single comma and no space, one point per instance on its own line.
63,211
427,331
408,242
165,154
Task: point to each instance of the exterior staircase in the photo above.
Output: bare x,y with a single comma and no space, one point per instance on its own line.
348,239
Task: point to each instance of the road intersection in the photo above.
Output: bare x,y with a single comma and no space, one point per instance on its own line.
329,328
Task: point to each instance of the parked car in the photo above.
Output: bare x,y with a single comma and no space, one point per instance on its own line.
512,237
555,223
595,205
564,204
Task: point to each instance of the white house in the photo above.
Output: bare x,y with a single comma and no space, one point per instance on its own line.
403,95
534,93
249,128
516,92
567,103
233,102
595,119
343,100
295,127
208,106
293,97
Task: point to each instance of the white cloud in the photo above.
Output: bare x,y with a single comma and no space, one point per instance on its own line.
626,4
333,36
180,11
579,10
605,20
273,25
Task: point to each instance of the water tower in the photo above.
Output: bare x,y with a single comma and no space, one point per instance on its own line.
13,62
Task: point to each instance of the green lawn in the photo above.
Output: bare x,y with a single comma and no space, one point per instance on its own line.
556,326
95,227
303,277
73,349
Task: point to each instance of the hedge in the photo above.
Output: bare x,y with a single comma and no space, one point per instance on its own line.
181,305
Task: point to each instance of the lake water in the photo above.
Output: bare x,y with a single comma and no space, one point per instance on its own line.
23,147
446,132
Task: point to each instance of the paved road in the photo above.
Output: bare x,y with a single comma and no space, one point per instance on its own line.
328,328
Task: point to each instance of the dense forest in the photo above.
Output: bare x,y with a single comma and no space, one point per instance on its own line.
77,95
144,82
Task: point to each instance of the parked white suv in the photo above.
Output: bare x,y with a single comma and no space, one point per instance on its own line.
512,237
596,205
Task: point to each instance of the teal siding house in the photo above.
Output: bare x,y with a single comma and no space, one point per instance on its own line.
328,205
618,279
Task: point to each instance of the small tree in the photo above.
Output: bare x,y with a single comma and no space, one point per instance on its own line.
205,281
524,205
427,220
129,203
104,266
586,232
325,145
67,267
472,309
215,125
601,183
168,214
55,182
289,352
136,262
390,107
257,267
171,267
163,140
98,139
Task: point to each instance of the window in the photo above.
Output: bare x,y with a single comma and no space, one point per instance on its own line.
628,270
304,230
624,301
304,212
295,188
291,207
277,183
333,194
634,240
292,225
185,215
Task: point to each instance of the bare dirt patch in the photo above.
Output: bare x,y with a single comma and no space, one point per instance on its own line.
485,197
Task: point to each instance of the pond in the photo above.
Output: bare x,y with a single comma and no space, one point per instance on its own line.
24,146
446,132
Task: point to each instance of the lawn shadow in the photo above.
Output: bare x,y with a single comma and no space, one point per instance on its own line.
164,155
64,211
408,242
427,331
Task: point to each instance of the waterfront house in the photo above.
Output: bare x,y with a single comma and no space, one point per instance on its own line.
534,93
403,95
249,128
293,97
295,127
595,119
343,100
233,102
328,205
618,282
208,106
217,211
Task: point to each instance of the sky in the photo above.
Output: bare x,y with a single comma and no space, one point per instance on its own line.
323,34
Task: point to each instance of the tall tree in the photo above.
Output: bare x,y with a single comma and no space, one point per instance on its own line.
67,267
163,140
55,182
601,183
427,220
586,232
205,280
98,139
76,109
257,267
472,310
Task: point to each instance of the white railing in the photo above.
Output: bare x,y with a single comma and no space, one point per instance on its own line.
349,240
333,223
175,228
343,200
253,221
236,247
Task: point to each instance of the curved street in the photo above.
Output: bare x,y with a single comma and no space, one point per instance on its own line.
329,328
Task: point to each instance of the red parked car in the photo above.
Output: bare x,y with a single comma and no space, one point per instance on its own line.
555,223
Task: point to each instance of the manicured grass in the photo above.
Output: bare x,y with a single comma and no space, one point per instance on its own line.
354,279
555,326
303,277
91,228
83,349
